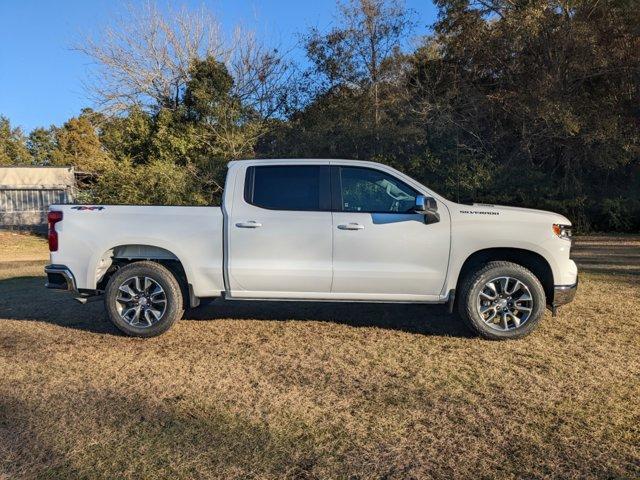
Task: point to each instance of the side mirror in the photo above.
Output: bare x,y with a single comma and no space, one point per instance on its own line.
428,207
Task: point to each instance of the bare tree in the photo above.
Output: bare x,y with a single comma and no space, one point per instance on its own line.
359,49
144,57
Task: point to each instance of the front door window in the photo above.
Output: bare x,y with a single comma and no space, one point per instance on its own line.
371,191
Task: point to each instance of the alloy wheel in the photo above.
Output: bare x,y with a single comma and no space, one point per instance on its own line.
505,303
141,301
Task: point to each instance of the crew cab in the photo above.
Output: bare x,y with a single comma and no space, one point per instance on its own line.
322,230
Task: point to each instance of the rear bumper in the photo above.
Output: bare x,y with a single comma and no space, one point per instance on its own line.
59,277
563,294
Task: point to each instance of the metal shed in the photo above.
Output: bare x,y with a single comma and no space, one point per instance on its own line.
27,192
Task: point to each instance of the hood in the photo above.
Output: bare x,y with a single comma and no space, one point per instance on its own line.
483,208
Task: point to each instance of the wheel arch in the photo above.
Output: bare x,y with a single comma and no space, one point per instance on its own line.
529,259
124,254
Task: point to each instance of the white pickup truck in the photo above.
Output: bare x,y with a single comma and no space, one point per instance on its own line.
321,230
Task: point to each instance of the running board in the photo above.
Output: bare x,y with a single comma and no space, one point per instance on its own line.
89,299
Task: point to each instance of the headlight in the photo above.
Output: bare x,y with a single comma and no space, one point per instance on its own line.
562,231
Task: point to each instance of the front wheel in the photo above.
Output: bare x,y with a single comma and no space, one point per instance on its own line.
501,300
143,299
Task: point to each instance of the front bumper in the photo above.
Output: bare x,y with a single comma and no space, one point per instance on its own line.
59,277
563,294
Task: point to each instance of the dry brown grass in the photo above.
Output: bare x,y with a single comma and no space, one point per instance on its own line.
16,247
276,390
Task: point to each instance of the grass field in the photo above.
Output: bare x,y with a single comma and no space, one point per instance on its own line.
277,390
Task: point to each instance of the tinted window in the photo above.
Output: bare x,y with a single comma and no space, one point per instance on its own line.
286,187
367,190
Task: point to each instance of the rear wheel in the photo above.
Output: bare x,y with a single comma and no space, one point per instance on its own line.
502,300
143,299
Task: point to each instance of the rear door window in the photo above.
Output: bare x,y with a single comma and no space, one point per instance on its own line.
289,187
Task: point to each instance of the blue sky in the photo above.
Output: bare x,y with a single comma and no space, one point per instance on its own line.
41,78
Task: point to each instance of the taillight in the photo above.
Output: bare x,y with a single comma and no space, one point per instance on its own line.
52,219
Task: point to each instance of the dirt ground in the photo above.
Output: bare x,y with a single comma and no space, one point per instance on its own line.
314,390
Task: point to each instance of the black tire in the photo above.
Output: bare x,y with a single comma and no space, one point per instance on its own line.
473,284
171,294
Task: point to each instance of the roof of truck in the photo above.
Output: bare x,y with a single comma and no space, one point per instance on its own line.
296,160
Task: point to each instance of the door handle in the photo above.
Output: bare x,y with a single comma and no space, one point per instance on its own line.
249,224
351,226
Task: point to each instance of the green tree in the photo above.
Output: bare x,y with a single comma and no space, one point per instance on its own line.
78,145
228,129
544,93
191,142
155,183
13,147
41,144
128,137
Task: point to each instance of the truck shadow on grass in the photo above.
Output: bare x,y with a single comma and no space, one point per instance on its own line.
25,298
411,318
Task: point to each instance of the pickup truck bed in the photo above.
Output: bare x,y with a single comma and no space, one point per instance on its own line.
92,238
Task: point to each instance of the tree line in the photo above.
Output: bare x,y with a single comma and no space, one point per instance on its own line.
533,103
